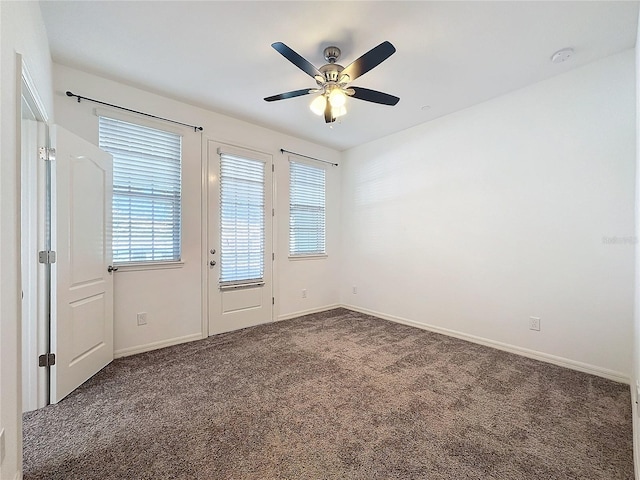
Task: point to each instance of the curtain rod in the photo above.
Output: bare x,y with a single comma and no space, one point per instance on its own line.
80,97
282,150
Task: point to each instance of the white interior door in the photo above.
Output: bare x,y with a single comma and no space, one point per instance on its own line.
82,305
239,250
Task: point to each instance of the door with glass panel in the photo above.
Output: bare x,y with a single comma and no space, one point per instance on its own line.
239,237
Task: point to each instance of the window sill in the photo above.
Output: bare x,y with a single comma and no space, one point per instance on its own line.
137,267
320,256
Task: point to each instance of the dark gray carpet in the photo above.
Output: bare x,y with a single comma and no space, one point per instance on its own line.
337,395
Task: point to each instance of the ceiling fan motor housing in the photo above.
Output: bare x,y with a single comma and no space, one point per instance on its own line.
331,71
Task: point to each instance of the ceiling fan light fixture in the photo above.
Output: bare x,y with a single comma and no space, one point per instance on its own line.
337,112
318,105
333,79
337,98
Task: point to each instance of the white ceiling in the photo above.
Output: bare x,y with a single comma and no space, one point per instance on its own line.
217,55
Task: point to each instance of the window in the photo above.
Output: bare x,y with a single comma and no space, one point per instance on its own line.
146,191
306,209
241,220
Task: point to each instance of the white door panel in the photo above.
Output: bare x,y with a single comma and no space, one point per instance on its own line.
241,306
82,310
241,299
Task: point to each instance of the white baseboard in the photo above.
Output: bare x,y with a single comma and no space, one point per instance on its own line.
636,433
125,352
635,419
18,475
525,352
324,308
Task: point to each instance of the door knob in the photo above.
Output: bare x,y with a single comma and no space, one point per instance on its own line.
212,263
213,250
112,269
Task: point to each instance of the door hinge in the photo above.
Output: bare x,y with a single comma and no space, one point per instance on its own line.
47,256
47,154
273,167
273,300
47,360
273,212
273,256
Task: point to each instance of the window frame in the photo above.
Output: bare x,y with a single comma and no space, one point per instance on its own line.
306,256
146,123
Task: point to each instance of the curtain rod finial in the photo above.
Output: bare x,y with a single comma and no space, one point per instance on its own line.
71,94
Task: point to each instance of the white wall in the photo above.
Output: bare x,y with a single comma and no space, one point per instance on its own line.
635,382
475,221
173,297
22,32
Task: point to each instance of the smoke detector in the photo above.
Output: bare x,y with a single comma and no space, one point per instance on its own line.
562,55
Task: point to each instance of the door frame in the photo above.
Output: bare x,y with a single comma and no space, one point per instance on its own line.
204,155
35,330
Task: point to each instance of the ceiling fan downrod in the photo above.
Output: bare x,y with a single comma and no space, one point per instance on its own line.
331,54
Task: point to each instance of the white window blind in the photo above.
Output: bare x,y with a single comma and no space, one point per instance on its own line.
306,209
146,191
242,220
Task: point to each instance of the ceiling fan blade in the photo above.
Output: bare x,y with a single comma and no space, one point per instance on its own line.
296,59
374,96
369,60
328,113
283,96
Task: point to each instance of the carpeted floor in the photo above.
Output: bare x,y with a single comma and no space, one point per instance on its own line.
336,395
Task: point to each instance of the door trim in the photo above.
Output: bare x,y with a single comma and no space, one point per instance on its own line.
38,329
204,229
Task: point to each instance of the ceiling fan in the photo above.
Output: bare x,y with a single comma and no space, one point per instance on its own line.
333,80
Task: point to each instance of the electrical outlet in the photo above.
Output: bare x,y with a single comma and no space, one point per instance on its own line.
534,323
354,289
304,293
142,318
